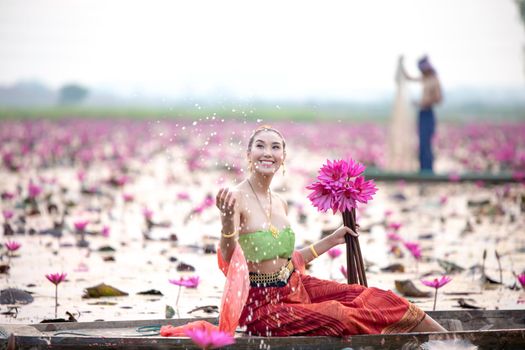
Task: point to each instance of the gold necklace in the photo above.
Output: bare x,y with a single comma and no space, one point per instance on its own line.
274,231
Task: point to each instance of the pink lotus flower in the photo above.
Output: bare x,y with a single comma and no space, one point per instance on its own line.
190,282
81,175
8,214
56,279
436,284
33,190
105,231
393,236
183,196
12,246
334,252
343,271
128,198
148,213
395,226
388,212
340,186
414,249
80,225
209,339
521,279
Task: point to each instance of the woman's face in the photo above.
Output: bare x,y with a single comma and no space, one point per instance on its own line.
267,152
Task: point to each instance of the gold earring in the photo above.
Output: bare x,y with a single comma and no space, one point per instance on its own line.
284,170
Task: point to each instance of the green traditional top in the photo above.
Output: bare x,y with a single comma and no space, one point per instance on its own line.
261,245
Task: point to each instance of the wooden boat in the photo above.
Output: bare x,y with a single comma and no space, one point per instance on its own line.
487,329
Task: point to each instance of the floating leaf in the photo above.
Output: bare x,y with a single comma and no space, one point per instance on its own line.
108,303
169,311
185,267
408,289
466,305
15,296
103,290
106,248
150,292
4,268
449,266
207,309
394,268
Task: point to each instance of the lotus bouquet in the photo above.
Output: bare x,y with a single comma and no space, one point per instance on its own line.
340,186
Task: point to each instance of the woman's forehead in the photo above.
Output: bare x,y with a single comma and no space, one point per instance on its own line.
268,136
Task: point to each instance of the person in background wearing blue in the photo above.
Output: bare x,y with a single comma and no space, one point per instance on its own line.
430,96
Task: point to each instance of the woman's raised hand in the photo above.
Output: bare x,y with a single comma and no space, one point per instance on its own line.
225,201
340,233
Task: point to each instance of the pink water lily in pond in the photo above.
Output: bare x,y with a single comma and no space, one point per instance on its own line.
8,214
395,226
414,249
105,231
334,252
148,213
393,236
128,197
190,282
343,271
56,278
12,245
437,283
80,225
521,280
33,190
209,339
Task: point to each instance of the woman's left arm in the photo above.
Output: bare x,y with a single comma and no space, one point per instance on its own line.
320,247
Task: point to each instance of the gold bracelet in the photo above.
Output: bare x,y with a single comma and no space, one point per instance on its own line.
229,235
312,249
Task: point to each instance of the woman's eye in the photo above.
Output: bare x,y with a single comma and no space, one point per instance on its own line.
259,146
276,147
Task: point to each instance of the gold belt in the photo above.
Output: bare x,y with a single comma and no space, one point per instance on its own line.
280,276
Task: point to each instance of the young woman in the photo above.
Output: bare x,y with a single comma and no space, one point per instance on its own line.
282,300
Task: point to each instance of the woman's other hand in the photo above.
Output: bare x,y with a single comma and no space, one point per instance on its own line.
225,201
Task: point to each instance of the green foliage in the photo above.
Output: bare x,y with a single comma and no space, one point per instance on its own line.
521,9
72,94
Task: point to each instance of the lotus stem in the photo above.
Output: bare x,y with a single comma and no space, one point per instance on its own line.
56,300
435,298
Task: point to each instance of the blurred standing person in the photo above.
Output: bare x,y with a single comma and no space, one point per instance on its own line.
430,96
401,154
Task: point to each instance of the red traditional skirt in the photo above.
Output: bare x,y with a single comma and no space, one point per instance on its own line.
311,306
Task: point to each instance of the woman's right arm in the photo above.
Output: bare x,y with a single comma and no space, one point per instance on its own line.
227,204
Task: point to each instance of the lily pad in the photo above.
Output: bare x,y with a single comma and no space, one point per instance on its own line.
467,305
15,296
408,289
449,266
150,292
103,290
106,248
169,312
394,268
185,267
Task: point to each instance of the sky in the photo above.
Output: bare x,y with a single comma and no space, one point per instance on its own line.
259,49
